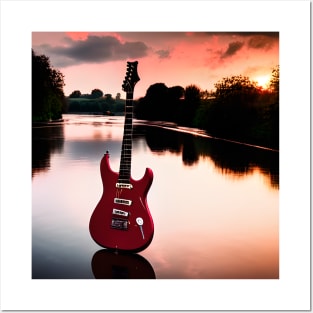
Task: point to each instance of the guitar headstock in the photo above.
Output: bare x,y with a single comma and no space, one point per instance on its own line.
131,77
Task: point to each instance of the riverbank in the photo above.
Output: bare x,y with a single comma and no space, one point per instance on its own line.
50,122
200,133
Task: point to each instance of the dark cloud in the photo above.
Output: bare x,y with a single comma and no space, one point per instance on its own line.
274,35
156,37
245,34
233,47
96,49
163,54
261,42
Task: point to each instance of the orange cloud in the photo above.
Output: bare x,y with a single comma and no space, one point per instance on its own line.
77,35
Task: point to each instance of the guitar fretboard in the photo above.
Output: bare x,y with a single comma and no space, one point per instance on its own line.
126,153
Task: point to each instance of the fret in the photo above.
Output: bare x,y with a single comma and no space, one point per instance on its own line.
123,181
124,177
124,172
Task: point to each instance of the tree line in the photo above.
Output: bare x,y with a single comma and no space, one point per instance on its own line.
96,102
237,109
243,111
96,105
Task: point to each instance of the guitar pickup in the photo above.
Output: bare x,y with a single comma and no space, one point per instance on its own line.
120,212
122,201
122,185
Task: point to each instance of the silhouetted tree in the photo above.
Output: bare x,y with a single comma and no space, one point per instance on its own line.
234,110
236,90
160,103
96,93
274,82
190,105
75,94
48,100
176,92
205,94
152,106
274,107
174,102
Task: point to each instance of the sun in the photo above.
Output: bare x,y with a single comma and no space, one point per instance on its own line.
263,81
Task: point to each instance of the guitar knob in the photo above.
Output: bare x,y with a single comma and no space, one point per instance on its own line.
139,221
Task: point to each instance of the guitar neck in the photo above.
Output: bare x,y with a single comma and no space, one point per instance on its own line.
126,153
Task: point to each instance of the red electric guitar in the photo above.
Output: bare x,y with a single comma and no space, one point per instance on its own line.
121,219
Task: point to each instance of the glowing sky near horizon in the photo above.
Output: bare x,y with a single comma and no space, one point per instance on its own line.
98,60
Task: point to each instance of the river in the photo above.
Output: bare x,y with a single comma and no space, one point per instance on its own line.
214,203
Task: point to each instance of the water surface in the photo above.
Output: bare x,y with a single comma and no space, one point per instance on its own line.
214,203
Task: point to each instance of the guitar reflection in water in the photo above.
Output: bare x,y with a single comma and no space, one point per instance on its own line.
107,264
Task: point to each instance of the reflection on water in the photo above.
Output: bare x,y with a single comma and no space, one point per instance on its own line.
112,265
46,140
214,203
228,157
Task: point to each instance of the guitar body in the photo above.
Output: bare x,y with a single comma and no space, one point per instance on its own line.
121,219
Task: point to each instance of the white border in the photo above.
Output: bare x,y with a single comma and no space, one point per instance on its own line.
291,19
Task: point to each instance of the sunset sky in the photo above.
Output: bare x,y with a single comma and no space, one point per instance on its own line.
92,60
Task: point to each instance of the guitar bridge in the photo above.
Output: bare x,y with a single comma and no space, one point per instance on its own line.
118,223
